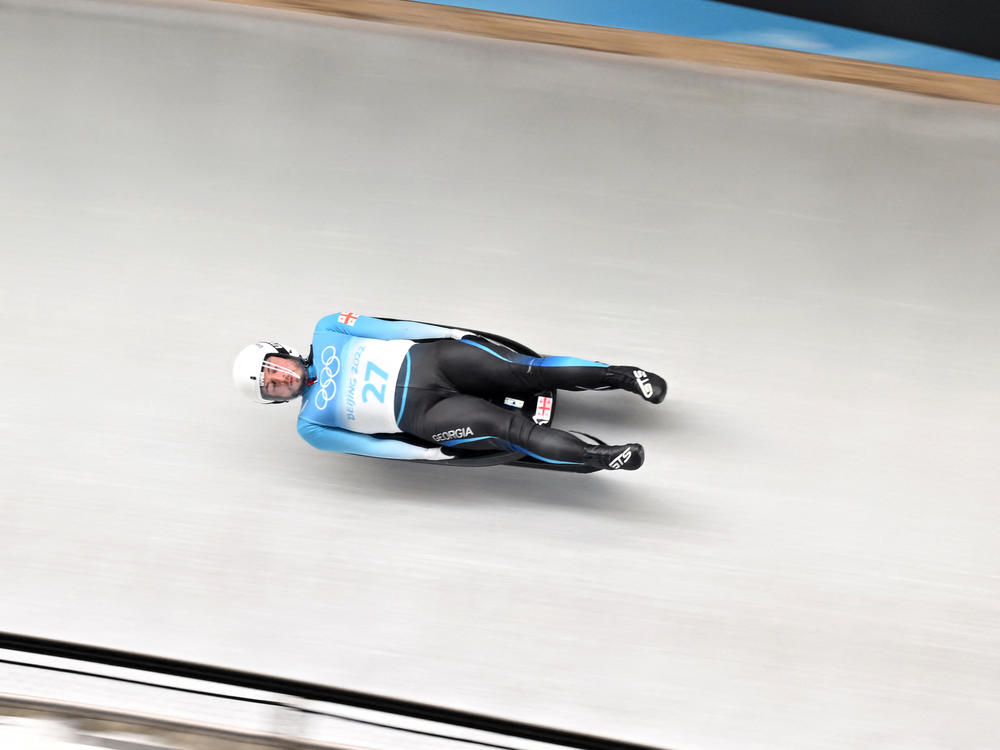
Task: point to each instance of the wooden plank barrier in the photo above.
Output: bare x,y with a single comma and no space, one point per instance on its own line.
649,44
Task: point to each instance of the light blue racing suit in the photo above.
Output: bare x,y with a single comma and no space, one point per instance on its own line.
373,383
352,382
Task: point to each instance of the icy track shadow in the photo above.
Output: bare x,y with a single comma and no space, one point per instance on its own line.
610,415
623,494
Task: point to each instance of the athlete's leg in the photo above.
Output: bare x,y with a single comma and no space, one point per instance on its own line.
485,368
482,367
472,423
429,406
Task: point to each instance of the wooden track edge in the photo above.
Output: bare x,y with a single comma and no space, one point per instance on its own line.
649,44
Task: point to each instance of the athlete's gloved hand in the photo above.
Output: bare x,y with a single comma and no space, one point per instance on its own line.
458,333
435,454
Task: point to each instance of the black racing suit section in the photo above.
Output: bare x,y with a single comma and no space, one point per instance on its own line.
443,399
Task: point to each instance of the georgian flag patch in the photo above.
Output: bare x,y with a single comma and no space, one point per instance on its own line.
543,410
348,318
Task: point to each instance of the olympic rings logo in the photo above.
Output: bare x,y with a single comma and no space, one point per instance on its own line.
327,384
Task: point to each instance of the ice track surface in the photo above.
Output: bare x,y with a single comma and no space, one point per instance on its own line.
809,558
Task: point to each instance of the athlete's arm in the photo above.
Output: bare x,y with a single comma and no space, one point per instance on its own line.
378,328
345,441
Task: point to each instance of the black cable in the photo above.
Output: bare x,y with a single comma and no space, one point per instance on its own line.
311,691
130,681
403,729
257,701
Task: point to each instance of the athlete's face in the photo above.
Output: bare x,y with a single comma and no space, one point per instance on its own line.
282,378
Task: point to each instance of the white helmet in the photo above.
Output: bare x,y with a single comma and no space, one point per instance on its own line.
250,363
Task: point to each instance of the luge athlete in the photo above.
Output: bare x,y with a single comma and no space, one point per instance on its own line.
369,382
